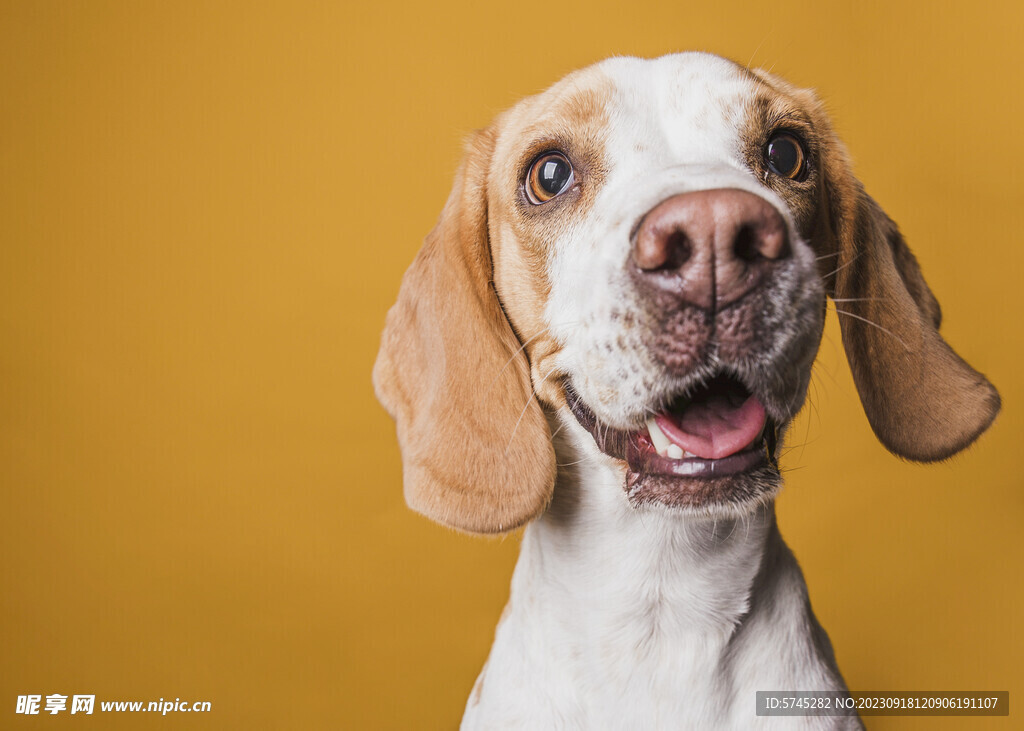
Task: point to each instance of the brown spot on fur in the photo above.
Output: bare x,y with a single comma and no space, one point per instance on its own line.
445,337
570,117
778,106
923,401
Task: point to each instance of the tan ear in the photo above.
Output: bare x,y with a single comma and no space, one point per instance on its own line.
923,401
476,448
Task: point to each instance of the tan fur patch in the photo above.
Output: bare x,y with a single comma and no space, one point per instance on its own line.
923,401
571,117
774,107
476,449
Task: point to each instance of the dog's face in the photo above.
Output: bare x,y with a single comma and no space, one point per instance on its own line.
654,256
646,248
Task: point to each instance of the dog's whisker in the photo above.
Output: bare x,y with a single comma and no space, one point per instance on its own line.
789,406
519,350
873,324
579,461
835,353
734,521
807,433
811,407
816,382
758,48
533,394
543,331
800,446
842,266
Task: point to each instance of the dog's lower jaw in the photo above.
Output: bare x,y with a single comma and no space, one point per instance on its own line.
627,617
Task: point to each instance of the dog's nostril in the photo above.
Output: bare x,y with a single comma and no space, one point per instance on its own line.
677,250
660,251
760,242
747,245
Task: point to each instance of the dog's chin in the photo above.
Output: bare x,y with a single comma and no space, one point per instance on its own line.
730,480
731,496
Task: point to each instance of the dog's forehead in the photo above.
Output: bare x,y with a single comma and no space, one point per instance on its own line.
688,107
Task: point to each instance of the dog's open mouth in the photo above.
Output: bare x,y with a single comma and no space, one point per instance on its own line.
718,429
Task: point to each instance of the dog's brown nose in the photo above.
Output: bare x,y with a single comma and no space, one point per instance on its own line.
708,248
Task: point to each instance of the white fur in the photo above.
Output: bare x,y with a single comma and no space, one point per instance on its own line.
673,128
622,618
646,618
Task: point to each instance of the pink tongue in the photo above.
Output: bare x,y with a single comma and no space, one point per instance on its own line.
714,428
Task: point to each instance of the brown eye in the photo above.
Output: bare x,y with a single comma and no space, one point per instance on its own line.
785,156
550,175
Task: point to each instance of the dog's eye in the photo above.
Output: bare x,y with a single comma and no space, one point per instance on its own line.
785,156
550,175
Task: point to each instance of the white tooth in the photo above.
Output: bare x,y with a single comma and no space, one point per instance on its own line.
688,454
658,438
675,451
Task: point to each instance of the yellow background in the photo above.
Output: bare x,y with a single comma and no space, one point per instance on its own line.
205,210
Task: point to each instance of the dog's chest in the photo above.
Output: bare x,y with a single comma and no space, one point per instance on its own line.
619,621
592,673
656,676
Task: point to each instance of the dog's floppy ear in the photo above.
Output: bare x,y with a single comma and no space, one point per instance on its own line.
923,401
476,448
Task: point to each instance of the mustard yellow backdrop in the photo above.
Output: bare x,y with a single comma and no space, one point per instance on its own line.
205,211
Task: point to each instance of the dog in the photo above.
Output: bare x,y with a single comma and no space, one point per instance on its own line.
605,338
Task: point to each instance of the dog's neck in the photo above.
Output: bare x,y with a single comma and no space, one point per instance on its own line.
632,617
642,566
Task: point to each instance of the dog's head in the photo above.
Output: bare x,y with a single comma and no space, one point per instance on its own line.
646,248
